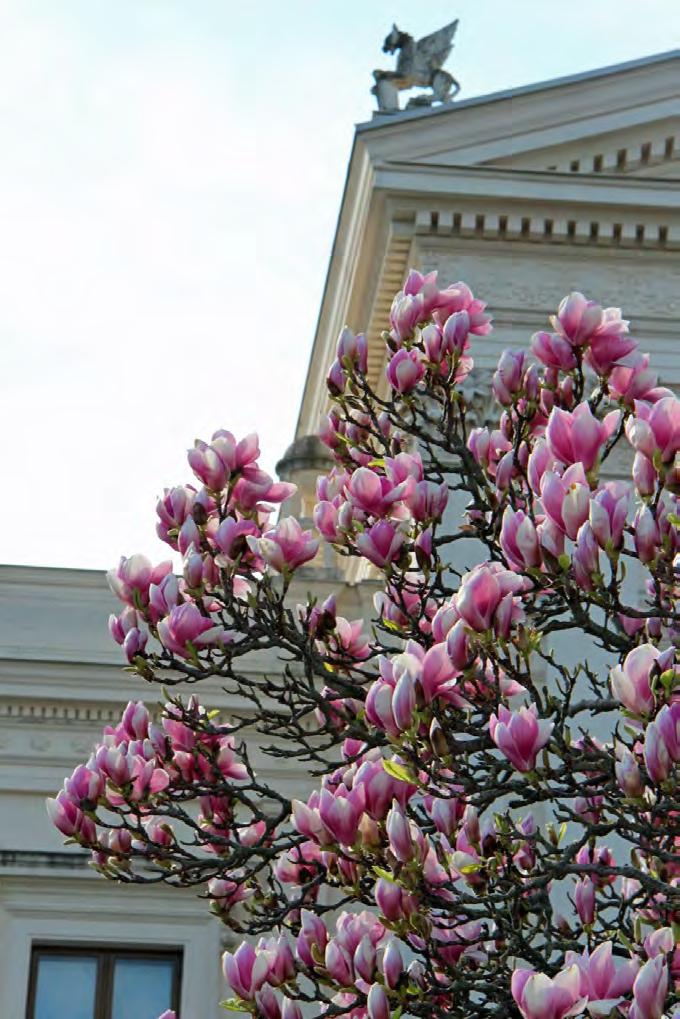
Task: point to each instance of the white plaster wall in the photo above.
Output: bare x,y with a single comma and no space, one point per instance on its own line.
65,909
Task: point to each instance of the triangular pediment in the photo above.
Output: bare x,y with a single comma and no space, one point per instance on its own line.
620,120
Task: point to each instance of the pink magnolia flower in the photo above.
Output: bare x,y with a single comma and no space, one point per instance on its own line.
186,627
586,558
255,488
646,535
173,509
390,703
405,370
392,964
226,893
539,997
338,963
347,640
486,598
380,788
132,578
300,864
656,429
290,1009
540,460
519,735
507,379
313,935
566,499
634,381
352,350
479,444
326,521
135,721
628,773
393,901
377,1003
433,343
286,546
650,989
519,540
455,332
230,538
608,512
458,297
340,812
659,942
374,493
427,500
631,681
406,312
164,597
214,463
577,318
644,474
126,631
425,285
381,544
246,970
400,834
85,786
553,350
577,437
279,955
69,819
609,347
662,742
602,982
350,928
582,321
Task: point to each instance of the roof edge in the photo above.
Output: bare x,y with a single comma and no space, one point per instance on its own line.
389,120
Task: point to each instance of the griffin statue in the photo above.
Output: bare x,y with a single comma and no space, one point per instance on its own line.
418,64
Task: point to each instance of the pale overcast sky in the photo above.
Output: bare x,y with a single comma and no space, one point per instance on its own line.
170,177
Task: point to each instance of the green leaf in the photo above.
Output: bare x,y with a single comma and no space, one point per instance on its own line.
234,1005
564,560
387,875
398,771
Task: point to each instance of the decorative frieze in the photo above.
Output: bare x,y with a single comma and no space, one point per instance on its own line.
632,157
538,228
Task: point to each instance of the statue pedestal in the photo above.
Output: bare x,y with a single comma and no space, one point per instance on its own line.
387,96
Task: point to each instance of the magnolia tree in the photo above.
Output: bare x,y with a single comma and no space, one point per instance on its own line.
495,828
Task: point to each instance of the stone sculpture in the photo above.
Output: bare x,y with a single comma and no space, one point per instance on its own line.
418,64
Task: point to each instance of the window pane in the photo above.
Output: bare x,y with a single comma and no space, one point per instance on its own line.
66,987
142,988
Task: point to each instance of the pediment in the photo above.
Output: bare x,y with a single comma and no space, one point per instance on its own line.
623,120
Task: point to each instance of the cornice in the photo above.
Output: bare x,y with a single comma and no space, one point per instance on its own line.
544,186
51,576
623,108
385,123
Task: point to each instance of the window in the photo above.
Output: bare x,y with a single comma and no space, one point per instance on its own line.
102,983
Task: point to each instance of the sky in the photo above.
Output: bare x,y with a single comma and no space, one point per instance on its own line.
170,178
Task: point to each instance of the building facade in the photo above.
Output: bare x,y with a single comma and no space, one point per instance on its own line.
525,195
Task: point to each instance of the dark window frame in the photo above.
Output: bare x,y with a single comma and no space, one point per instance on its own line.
106,956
